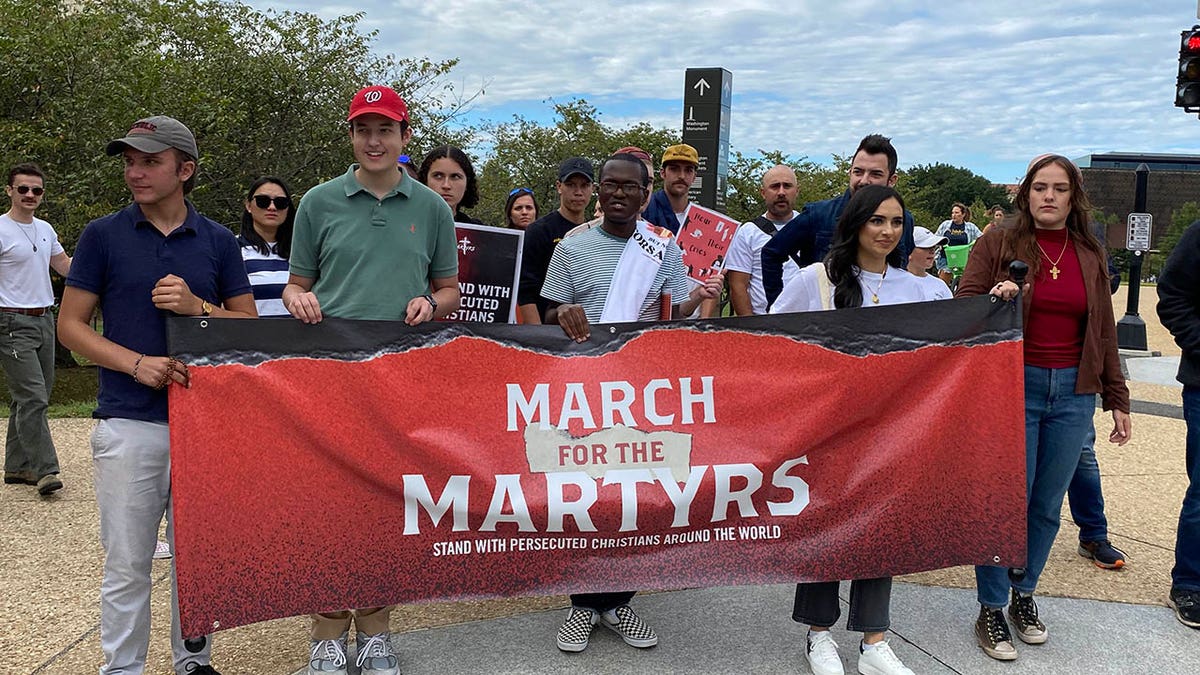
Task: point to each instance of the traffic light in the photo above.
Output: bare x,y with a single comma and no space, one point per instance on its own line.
1187,86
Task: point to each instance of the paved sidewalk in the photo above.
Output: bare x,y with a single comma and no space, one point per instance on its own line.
746,630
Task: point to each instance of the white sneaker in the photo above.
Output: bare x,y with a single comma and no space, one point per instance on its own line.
881,660
162,550
822,654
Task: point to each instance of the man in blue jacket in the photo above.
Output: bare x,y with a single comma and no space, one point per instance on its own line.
668,208
809,234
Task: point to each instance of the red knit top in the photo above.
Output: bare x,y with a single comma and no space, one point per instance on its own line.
1058,305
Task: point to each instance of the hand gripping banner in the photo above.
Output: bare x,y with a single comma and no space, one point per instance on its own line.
361,464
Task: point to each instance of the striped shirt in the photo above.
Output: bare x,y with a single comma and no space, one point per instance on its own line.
582,267
268,275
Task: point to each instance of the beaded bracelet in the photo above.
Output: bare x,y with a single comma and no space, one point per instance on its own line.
136,364
166,376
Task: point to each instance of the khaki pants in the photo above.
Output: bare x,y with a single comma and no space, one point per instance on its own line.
371,621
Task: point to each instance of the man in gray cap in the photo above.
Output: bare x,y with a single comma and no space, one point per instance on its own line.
574,185
197,270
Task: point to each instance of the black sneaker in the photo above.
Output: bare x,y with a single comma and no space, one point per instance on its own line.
1103,553
991,632
1187,607
1023,612
193,669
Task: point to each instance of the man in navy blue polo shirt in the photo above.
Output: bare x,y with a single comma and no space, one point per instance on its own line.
155,258
808,236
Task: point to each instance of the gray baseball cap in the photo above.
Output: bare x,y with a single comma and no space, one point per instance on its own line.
155,134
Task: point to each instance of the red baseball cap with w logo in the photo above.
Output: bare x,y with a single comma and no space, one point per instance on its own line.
380,100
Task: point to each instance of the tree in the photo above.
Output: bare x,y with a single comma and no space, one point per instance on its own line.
930,190
265,92
814,182
527,154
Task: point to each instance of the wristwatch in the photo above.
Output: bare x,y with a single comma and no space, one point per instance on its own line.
206,308
432,302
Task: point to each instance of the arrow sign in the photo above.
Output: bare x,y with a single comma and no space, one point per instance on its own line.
702,86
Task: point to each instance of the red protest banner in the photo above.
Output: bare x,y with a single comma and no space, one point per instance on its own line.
704,238
457,461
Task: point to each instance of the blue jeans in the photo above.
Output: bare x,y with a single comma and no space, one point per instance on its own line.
1084,495
1056,425
1186,575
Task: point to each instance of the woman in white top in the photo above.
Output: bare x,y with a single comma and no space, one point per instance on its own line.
862,270
863,266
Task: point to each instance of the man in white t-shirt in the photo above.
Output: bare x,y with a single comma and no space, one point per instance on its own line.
926,246
743,264
28,249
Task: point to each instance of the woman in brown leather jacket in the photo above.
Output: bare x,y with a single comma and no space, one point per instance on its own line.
1070,356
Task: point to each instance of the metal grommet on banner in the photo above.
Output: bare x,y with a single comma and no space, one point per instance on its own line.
204,323
996,559
216,625
612,329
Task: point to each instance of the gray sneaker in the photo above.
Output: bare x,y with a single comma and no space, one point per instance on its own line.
375,655
328,657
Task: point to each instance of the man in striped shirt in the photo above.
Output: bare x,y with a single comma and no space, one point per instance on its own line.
622,271
587,269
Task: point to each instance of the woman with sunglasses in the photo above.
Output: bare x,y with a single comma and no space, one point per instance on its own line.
1070,356
266,242
862,269
521,209
448,172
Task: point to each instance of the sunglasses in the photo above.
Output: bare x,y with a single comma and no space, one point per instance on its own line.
281,203
517,191
37,191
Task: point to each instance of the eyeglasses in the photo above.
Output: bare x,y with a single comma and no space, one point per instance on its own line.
933,250
281,203
613,187
37,191
517,191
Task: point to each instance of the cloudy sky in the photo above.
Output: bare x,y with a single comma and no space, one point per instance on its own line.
985,85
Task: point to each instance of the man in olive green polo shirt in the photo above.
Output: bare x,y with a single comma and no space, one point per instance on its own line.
371,244
373,235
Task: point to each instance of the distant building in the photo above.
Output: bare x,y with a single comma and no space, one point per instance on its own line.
1109,178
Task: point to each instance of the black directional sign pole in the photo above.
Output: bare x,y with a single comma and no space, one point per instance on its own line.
707,93
1131,329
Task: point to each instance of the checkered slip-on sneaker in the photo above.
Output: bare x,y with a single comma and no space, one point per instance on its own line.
573,635
630,627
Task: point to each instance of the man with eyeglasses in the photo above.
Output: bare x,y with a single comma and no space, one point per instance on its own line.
608,275
808,236
29,248
574,185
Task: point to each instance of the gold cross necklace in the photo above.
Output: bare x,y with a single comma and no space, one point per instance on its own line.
1054,271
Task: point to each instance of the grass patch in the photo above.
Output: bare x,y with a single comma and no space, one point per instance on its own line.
74,393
